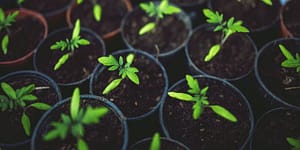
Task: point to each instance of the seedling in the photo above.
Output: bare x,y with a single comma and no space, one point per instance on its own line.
291,61
157,11
125,70
155,143
73,124
70,45
97,9
227,27
294,142
17,99
5,22
200,99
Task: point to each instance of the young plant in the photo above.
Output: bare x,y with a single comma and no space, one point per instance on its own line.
155,143
97,9
227,27
5,22
70,45
16,99
199,98
157,11
294,142
125,70
73,124
291,61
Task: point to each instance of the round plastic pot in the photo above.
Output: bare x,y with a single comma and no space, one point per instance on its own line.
15,76
290,9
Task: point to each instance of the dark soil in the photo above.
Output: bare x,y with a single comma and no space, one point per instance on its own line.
22,39
291,17
11,128
186,2
276,78
79,66
45,6
273,129
210,131
112,13
165,145
134,100
170,33
107,134
235,59
254,13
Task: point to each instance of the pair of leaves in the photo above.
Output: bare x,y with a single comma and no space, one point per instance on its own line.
155,143
294,142
5,22
291,61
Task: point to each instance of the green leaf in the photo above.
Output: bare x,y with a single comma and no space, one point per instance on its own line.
213,51
155,143
133,77
29,97
147,28
79,1
268,2
181,96
223,112
5,41
81,144
83,42
77,130
129,58
294,142
286,52
75,103
198,109
113,68
62,60
20,1
108,61
112,85
8,90
51,135
213,17
121,61
40,106
193,84
290,63
26,124
204,90
2,15
169,10
76,29
92,115
97,10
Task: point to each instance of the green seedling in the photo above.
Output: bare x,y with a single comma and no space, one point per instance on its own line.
267,2
70,45
291,61
227,27
199,98
5,22
155,143
295,143
73,124
97,9
157,11
125,70
17,99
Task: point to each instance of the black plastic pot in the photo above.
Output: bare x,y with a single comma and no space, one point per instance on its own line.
54,114
275,80
22,77
210,131
272,129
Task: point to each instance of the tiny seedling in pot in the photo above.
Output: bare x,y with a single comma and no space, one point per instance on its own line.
17,99
157,11
199,98
97,9
295,143
226,27
125,70
155,143
5,23
70,45
73,124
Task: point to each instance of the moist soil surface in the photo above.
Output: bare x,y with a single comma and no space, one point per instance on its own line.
112,13
282,82
11,128
169,33
210,131
107,134
46,6
134,100
273,129
234,60
22,39
165,145
79,66
291,17
254,13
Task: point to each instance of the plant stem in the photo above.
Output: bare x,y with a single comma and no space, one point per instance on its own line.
42,88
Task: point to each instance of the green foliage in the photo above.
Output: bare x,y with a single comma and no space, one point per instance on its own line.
125,70
155,143
20,1
70,45
267,2
198,96
158,12
16,99
227,27
294,142
73,124
5,22
97,9
291,61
